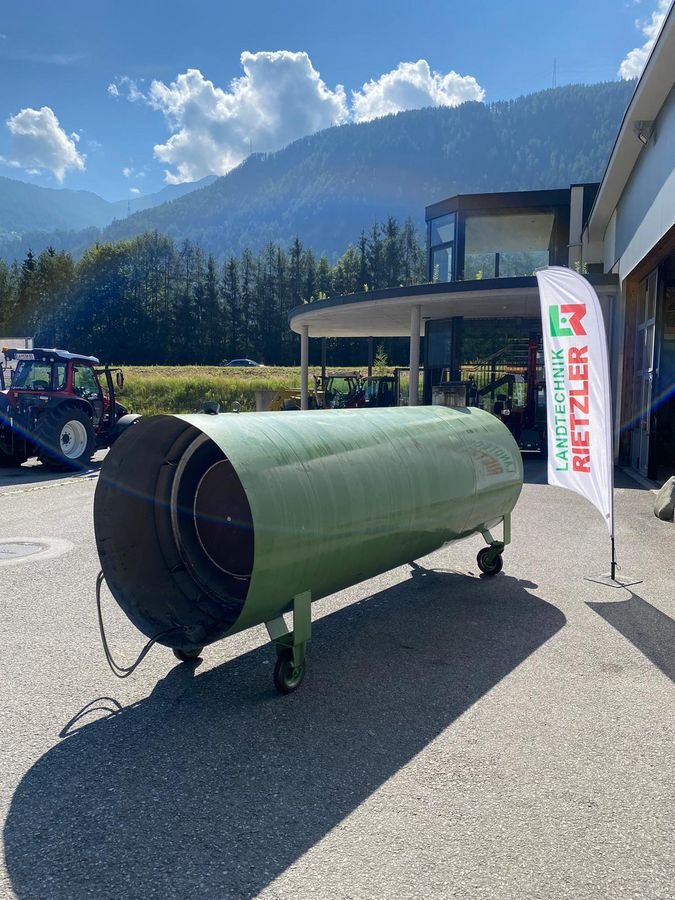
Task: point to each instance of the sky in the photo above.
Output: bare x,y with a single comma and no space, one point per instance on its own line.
122,98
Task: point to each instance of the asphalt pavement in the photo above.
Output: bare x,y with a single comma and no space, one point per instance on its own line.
456,736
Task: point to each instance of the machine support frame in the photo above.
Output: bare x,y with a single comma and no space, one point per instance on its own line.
298,638
497,547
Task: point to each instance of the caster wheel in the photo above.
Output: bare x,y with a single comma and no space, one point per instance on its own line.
487,566
287,677
188,655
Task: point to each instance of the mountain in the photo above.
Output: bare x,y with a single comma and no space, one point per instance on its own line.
28,208
327,187
121,208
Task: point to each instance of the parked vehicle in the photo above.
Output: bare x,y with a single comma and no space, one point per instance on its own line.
60,407
381,390
241,363
341,390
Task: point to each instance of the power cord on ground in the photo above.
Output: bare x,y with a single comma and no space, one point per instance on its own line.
118,670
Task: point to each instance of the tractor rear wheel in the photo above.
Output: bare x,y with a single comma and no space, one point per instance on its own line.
65,438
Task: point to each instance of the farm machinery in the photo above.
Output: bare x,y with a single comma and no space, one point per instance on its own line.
59,406
344,390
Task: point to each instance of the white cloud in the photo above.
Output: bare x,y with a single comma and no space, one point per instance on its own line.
127,87
280,97
635,60
134,190
130,172
412,86
38,142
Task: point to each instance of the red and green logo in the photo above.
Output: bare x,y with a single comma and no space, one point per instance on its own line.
565,320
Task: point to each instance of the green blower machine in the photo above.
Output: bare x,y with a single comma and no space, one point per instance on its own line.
210,524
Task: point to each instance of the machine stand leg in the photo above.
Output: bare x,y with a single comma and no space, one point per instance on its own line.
490,559
507,529
291,645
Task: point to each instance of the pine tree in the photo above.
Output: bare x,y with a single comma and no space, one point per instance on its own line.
214,325
232,304
392,254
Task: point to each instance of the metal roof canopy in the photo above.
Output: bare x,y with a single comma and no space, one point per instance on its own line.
388,313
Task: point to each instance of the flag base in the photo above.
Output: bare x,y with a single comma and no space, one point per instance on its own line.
620,581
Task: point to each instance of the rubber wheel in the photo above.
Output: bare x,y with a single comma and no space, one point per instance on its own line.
486,566
65,437
286,677
188,655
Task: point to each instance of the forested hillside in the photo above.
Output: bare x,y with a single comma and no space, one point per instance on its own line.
147,300
220,268
27,207
33,216
327,187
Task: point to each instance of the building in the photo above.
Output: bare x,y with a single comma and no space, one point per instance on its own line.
631,233
482,252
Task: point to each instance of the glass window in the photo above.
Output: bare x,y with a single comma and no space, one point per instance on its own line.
504,245
84,382
60,371
442,230
32,376
640,350
649,347
441,264
439,343
651,296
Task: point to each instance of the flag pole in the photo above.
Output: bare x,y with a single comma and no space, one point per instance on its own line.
578,402
610,580
613,564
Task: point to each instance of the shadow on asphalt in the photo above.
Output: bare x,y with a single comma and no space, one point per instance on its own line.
215,785
34,473
645,626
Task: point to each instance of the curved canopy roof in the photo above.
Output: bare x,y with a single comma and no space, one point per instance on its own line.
387,313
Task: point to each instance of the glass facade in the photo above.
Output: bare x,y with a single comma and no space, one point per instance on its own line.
442,230
442,248
441,263
505,245
496,243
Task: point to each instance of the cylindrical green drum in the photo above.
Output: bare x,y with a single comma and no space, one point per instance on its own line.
207,525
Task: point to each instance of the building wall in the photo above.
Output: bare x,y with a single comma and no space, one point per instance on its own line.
648,200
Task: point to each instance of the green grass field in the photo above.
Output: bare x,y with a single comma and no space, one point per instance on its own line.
149,390
179,389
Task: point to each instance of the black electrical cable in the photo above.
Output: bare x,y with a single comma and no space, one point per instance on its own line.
118,670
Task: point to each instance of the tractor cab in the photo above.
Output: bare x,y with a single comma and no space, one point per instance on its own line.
59,406
381,390
338,390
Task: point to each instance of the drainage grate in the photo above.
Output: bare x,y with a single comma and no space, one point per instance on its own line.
28,549
19,549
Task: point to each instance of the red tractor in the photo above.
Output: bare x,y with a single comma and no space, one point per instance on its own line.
60,407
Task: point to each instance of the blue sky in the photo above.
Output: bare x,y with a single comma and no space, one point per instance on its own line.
123,97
